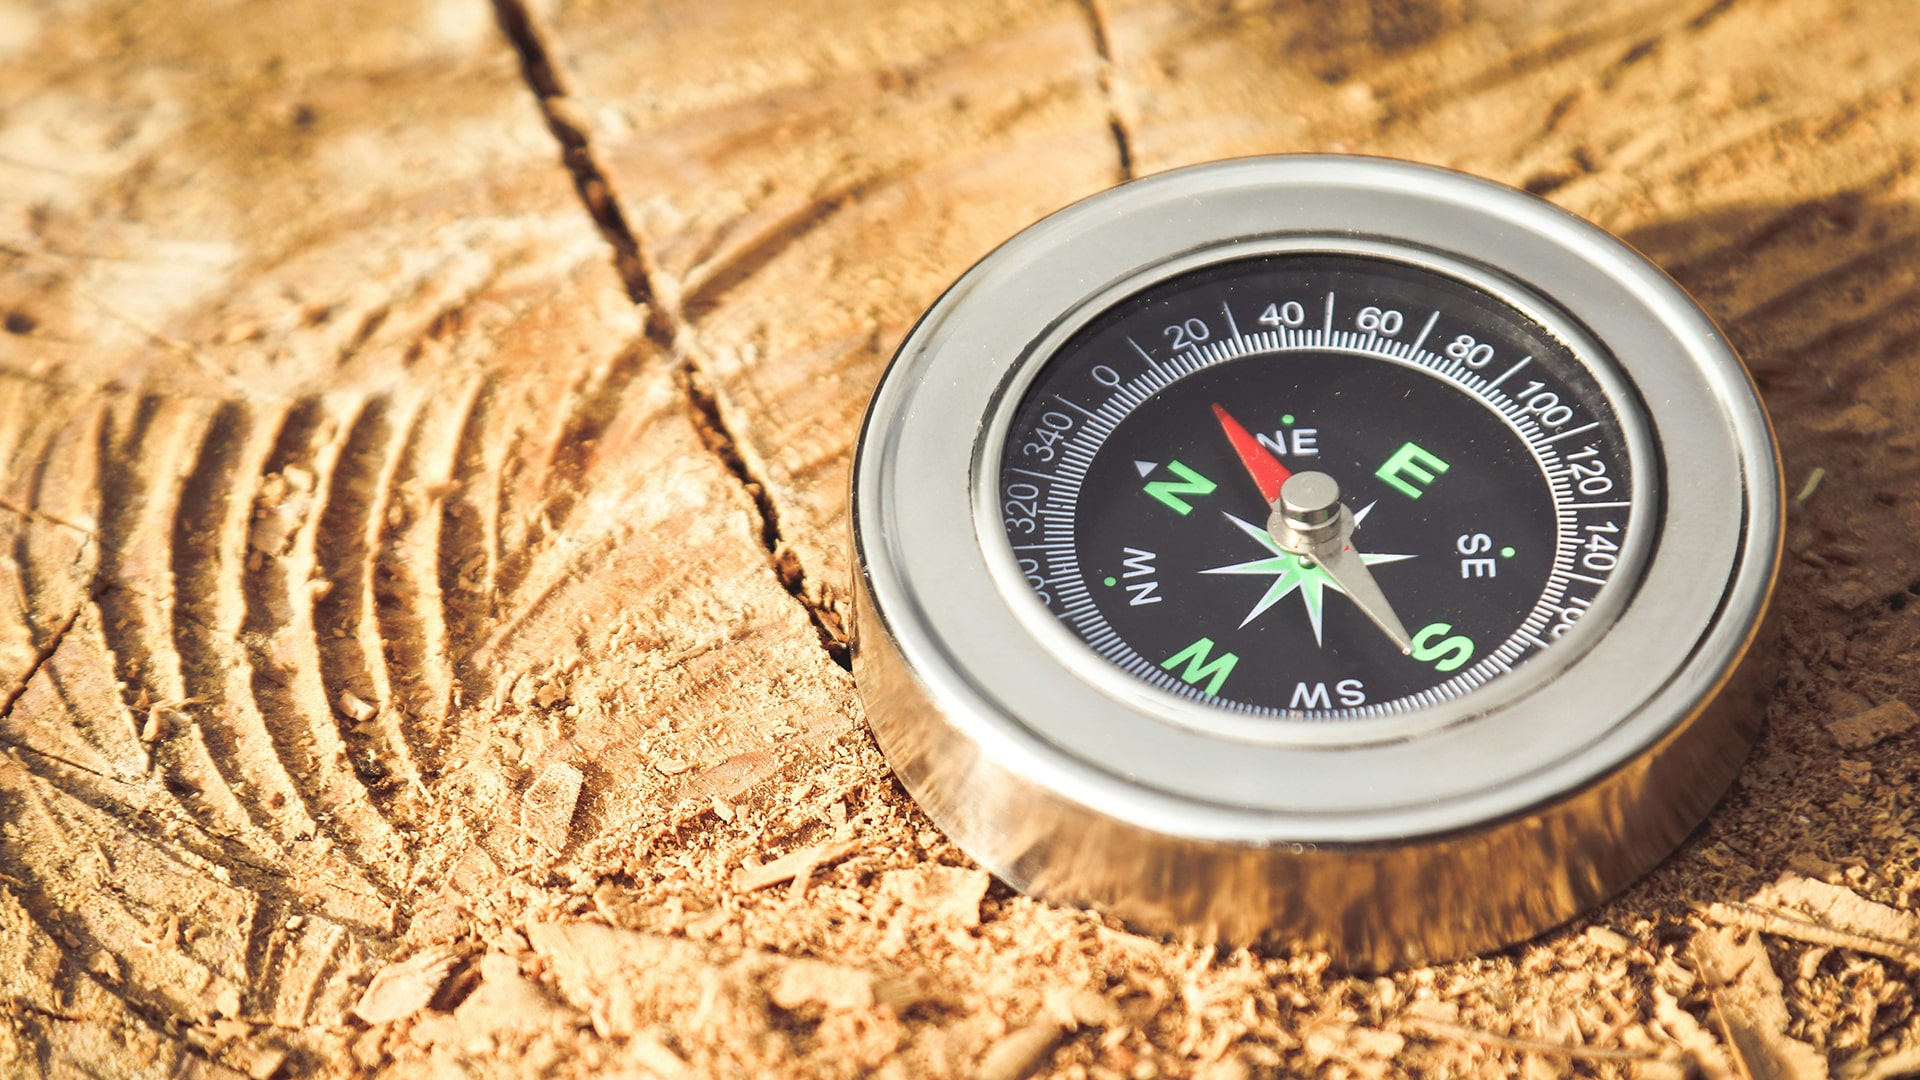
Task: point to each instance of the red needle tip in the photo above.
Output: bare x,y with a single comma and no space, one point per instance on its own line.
1265,469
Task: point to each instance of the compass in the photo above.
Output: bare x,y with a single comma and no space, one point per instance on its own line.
1316,551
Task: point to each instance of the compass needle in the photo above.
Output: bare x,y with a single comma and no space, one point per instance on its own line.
1095,659
1265,469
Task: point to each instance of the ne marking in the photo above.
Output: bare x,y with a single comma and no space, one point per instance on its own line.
1329,330
1228,312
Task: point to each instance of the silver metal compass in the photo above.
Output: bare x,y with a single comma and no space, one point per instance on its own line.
1314,551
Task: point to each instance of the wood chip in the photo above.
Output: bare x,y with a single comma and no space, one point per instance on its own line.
356,707
1864,729
404,988
658,1058
798,864
1018,1053
1701,1048
1824,914
1841,908
259,1062
1077,1007
816,982
549,802
1867,1067
1749,1008
947,894
506,1002
1611,940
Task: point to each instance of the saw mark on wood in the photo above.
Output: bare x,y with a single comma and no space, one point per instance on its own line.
119,457
470,523
17,748
346,628
63,849
143,480
708,284
556,467
280,644
409,604
220,849
211,529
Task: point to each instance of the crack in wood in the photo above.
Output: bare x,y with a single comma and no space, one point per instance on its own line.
30,514
666,325
1110,85
41,658
631,259
720,440
12,747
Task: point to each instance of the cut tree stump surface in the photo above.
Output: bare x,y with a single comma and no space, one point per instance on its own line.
424,437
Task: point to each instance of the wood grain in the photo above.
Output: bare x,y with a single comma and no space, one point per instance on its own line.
425,429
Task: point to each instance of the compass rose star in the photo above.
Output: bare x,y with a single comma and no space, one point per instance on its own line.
1290,572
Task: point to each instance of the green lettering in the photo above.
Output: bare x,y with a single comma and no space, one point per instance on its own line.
1410,462
1445,655
1190,483
1201,665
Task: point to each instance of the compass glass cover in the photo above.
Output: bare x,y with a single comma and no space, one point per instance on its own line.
1485,476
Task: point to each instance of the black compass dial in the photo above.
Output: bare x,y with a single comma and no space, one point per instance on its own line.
1316,485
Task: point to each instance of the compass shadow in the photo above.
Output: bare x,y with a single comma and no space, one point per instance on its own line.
1822,299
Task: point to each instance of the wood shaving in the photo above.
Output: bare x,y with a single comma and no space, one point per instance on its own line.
1749,1008
794,865
1445,1030
1820,913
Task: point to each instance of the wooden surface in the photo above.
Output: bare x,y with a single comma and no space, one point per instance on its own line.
424,430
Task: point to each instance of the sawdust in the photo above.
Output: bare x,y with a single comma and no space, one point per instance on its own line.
407,673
